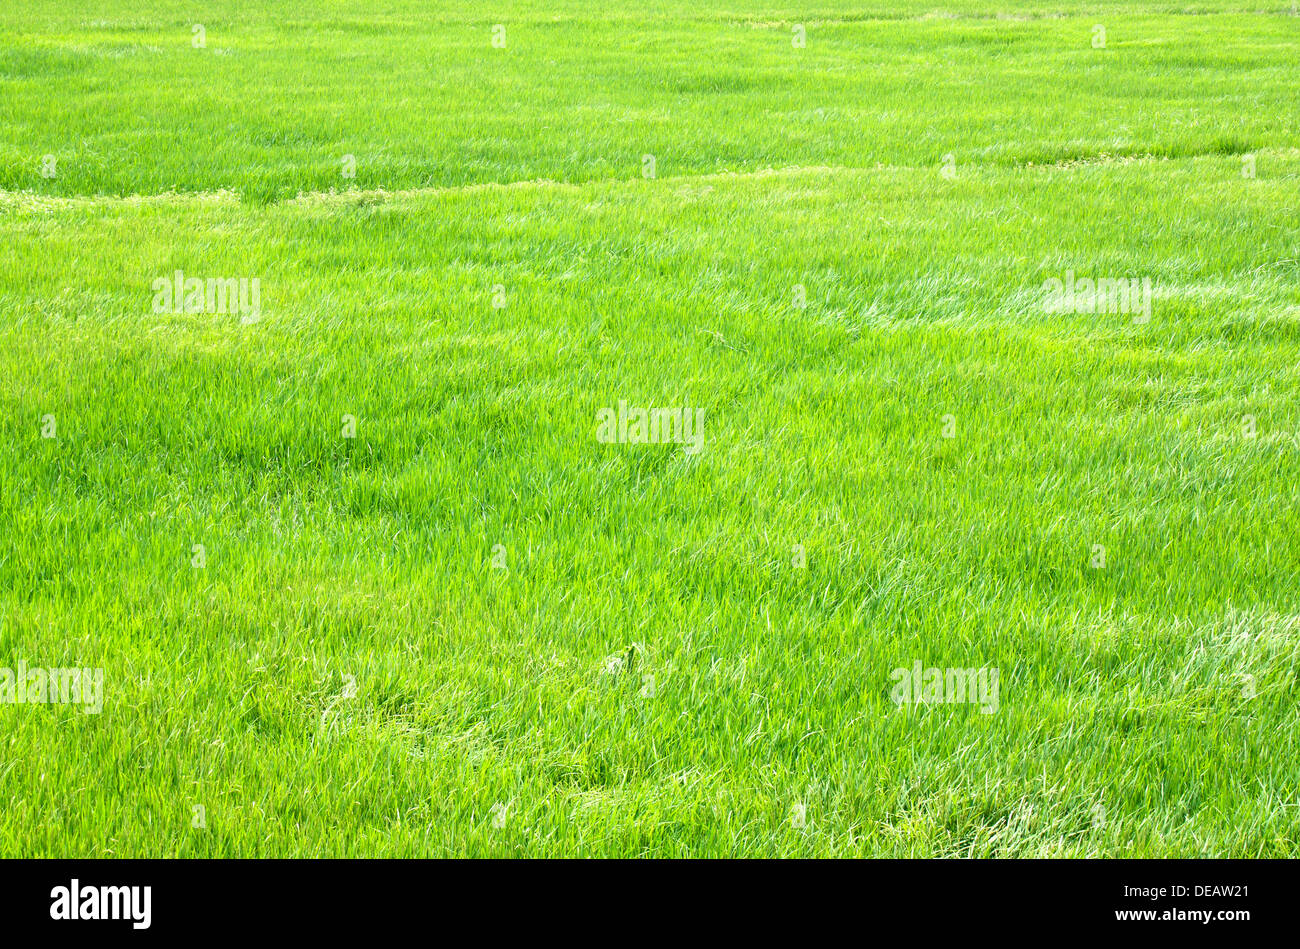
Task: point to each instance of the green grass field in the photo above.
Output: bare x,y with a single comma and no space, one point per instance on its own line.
363,580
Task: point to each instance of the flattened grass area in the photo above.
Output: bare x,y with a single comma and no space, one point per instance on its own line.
349,674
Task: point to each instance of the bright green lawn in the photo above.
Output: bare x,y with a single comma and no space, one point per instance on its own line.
349,675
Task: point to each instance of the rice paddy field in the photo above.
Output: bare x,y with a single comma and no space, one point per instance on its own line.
649,429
